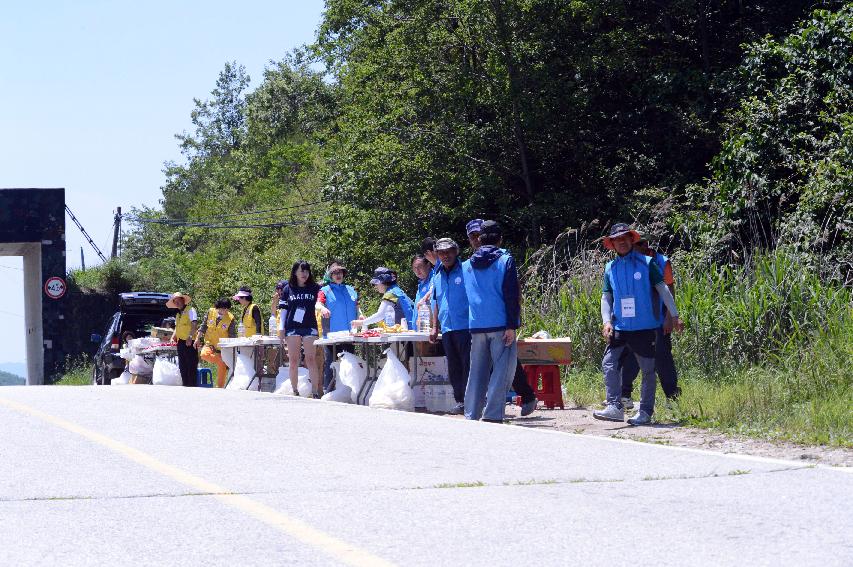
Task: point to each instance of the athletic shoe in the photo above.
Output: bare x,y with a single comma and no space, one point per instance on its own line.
640,418
627,403
610,413
528,407
458,409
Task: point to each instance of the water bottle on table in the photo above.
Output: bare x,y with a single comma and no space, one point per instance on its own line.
424,319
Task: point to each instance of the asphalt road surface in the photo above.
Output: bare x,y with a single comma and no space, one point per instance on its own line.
153,475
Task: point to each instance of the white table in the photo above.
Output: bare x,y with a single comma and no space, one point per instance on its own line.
372,349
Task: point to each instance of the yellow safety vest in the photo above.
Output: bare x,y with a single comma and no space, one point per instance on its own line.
215,332
249,322
183,325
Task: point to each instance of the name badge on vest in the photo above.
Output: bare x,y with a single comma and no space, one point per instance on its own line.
629,308
299,315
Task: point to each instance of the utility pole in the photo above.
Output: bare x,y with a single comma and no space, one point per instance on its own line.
116,230
82,259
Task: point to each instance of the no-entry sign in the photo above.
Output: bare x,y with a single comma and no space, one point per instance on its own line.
55,287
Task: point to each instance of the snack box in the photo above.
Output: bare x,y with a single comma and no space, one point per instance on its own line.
545,351
161,333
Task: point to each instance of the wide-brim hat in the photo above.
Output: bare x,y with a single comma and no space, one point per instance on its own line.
171,303
617,230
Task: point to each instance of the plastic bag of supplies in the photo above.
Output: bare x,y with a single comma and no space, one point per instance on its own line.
166,373
392,390
352,373
244,371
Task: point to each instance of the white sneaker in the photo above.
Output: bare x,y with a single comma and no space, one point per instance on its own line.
610,413
640,418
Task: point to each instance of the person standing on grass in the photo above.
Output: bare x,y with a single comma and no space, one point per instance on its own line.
339,306
494,315
664,363
450,312
218,324
186,325
298,326
630,316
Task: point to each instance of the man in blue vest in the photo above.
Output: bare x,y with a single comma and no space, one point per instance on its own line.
450,312
664,363
494,315
630,316
339,303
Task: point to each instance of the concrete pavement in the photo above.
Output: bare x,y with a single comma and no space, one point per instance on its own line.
166,475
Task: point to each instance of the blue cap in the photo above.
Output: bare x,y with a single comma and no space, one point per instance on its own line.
473,226
383,275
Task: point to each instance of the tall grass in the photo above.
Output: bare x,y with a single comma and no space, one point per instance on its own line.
766,350
76,372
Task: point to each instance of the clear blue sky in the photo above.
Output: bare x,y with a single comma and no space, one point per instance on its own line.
94,91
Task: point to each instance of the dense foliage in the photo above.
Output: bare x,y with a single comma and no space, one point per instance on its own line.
723,127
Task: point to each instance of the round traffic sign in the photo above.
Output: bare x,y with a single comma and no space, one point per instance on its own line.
55,287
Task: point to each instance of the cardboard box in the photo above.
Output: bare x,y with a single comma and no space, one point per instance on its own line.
545,351
432,373
161,333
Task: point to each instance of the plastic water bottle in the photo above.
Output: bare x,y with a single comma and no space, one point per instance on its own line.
389,319
241,330
423,319
272,327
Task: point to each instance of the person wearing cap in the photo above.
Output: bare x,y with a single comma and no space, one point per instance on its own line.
664,363
494,315
218,324
251,316
450,312
276,301
395,305
472,231
338,303
520,385
186,325
629,315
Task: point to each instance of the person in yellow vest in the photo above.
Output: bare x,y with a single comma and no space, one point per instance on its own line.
186,325
251,316
218,324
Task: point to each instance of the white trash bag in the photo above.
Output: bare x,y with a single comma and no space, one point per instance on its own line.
341,393
140,366
244,371
303,382
166,373
352,373
392,390
123,379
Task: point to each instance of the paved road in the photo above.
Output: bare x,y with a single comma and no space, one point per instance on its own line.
162,476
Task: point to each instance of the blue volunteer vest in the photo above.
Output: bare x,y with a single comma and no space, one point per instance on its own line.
629,277
404,304
341,300
451,298
484,287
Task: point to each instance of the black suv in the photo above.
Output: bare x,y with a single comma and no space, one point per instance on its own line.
137,311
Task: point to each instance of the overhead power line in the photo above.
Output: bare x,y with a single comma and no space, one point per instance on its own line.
250,219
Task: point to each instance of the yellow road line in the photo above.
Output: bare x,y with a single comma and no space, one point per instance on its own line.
340,550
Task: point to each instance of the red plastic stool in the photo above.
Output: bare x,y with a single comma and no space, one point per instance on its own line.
545,381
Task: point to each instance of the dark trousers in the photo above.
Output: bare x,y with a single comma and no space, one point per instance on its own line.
664,366
188,363
328,359
521,386
457,350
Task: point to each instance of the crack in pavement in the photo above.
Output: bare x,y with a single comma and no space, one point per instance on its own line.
439,486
